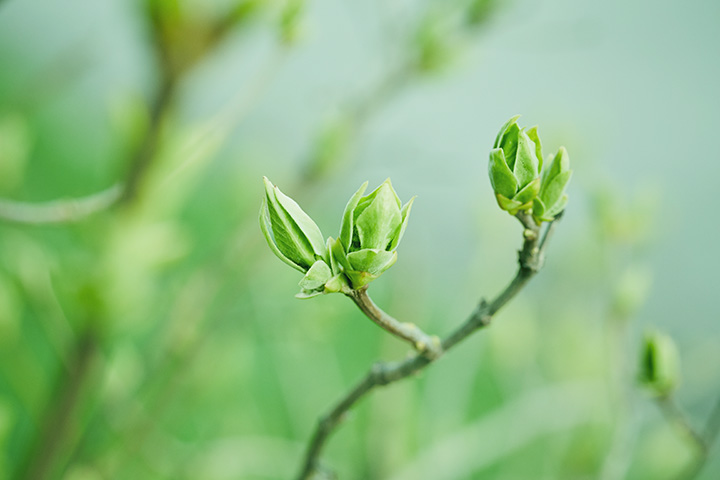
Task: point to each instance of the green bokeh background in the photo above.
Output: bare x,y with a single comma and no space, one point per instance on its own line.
208,368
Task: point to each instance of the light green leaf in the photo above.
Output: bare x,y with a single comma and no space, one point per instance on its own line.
346,229
533,134
538,210
501,177
526,164
338,283
267,232
360,279
560,163
509,144
334,267
369,198
303,294
304,222
557,208
380,219
316,276
405,214
289,238
511,206
528,193
553,191
372,261
338,254
504,129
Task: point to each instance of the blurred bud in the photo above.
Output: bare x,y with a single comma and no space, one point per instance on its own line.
631,292
659,364
432,45
372,227
290,21
552,198
515,165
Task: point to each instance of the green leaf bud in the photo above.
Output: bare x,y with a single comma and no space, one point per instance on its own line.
659,364
371,230
514,168
290,232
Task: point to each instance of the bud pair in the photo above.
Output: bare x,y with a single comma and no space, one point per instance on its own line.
371,230
516,165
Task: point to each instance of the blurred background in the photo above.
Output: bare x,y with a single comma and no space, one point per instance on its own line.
147,332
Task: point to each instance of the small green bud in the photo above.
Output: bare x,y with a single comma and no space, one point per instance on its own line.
552,198
371,230
514,168
659,364
290,232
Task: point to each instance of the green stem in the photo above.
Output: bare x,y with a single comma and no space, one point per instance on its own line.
421,341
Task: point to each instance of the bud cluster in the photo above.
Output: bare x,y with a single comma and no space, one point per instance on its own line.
518,178
372,227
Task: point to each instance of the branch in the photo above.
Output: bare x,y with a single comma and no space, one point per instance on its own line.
530,259
61,418
703,441
421,341
148,146
59,211
675,416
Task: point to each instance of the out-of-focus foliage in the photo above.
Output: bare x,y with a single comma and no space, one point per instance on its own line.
158,337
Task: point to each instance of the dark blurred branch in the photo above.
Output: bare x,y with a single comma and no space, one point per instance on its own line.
530,259
148,146
60,423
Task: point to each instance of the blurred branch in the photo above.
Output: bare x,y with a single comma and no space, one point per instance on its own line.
676,417
703,441
530,259
147,149
59,211
61,419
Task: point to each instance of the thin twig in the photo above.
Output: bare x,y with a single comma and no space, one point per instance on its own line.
421,341
530,261
708,437
676,417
